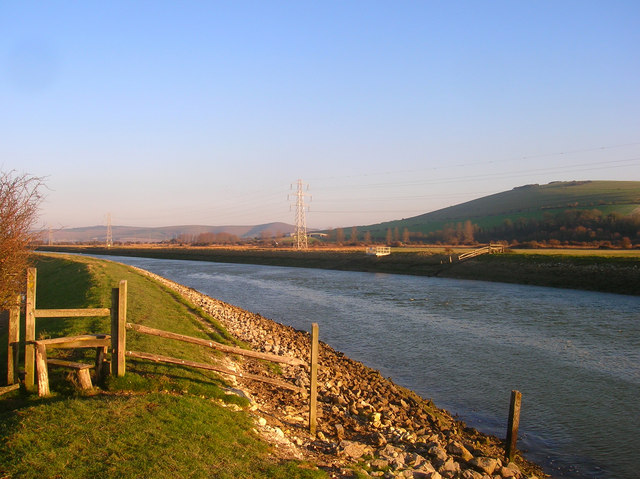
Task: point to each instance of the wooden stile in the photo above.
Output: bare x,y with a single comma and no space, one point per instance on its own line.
313,387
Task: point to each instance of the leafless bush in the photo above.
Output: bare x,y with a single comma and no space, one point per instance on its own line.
20,197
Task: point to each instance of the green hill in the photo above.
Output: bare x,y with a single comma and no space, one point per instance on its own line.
523,204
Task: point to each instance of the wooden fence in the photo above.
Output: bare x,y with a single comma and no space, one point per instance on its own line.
36,361
490,249
119,333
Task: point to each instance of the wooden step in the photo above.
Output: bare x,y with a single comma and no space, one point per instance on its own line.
82,370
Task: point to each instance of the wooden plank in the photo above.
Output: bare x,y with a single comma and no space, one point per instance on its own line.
68,364
9,388
72,313
313,388
210,367
118,328
30,330
212,344
122,332
6,389
82,341
41,367
13,349
514,423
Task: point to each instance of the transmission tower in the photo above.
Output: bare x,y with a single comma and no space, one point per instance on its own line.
109,233
300,235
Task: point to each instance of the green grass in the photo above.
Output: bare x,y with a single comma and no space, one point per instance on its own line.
156,421
531,201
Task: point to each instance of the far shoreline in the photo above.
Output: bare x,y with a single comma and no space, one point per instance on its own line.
593,270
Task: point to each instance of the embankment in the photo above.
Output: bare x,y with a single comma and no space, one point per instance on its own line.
589,272
365,420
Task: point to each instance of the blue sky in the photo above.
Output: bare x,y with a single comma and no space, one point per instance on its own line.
165,113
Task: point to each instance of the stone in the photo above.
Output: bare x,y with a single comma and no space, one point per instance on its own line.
484,464
379,463
471,474
460,451
450,468
339,432
354,450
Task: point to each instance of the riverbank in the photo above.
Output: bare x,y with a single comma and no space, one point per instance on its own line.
366,423
588,271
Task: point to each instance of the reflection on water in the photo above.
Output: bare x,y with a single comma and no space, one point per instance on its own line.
574,355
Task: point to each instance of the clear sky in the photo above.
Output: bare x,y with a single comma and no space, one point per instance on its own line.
205,112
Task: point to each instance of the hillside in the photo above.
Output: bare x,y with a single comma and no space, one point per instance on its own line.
529,202
134,234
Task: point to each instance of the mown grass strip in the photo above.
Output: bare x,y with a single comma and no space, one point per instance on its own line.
156,421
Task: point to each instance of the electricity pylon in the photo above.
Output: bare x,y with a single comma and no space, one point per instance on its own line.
300,234
109,233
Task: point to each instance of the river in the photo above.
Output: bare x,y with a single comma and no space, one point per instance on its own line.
574,355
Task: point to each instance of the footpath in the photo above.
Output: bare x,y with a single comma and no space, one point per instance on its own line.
367,425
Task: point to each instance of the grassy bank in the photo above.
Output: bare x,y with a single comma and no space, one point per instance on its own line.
157,421
595,270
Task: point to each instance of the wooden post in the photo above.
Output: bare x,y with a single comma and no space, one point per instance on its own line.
30,330
313,388
118,328
13,349
43,373
514,422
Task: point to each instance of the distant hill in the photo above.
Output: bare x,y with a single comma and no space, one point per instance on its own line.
529,202
134,234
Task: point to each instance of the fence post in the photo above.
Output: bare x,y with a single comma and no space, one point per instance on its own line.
313,388
118,328
30,330
13,349
514,423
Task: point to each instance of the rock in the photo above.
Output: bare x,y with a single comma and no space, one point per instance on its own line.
484,464
513,469
379,463
339,432
262,421
353,450
471,474
460,451
450,468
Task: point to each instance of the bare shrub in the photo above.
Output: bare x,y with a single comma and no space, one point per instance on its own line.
20,197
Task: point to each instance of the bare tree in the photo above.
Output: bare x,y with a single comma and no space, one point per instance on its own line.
20,197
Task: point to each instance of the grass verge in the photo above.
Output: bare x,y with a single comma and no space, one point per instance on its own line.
157,421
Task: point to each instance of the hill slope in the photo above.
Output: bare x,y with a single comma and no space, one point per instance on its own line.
529,201
134,234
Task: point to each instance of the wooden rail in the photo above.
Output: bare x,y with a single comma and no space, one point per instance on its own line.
211,367
215,345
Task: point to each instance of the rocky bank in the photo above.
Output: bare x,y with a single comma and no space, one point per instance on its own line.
367,425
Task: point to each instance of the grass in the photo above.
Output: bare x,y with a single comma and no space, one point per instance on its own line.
156,421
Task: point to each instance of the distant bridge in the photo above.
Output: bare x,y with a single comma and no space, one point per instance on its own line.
490,249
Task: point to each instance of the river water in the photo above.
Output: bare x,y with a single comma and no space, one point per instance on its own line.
574,355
